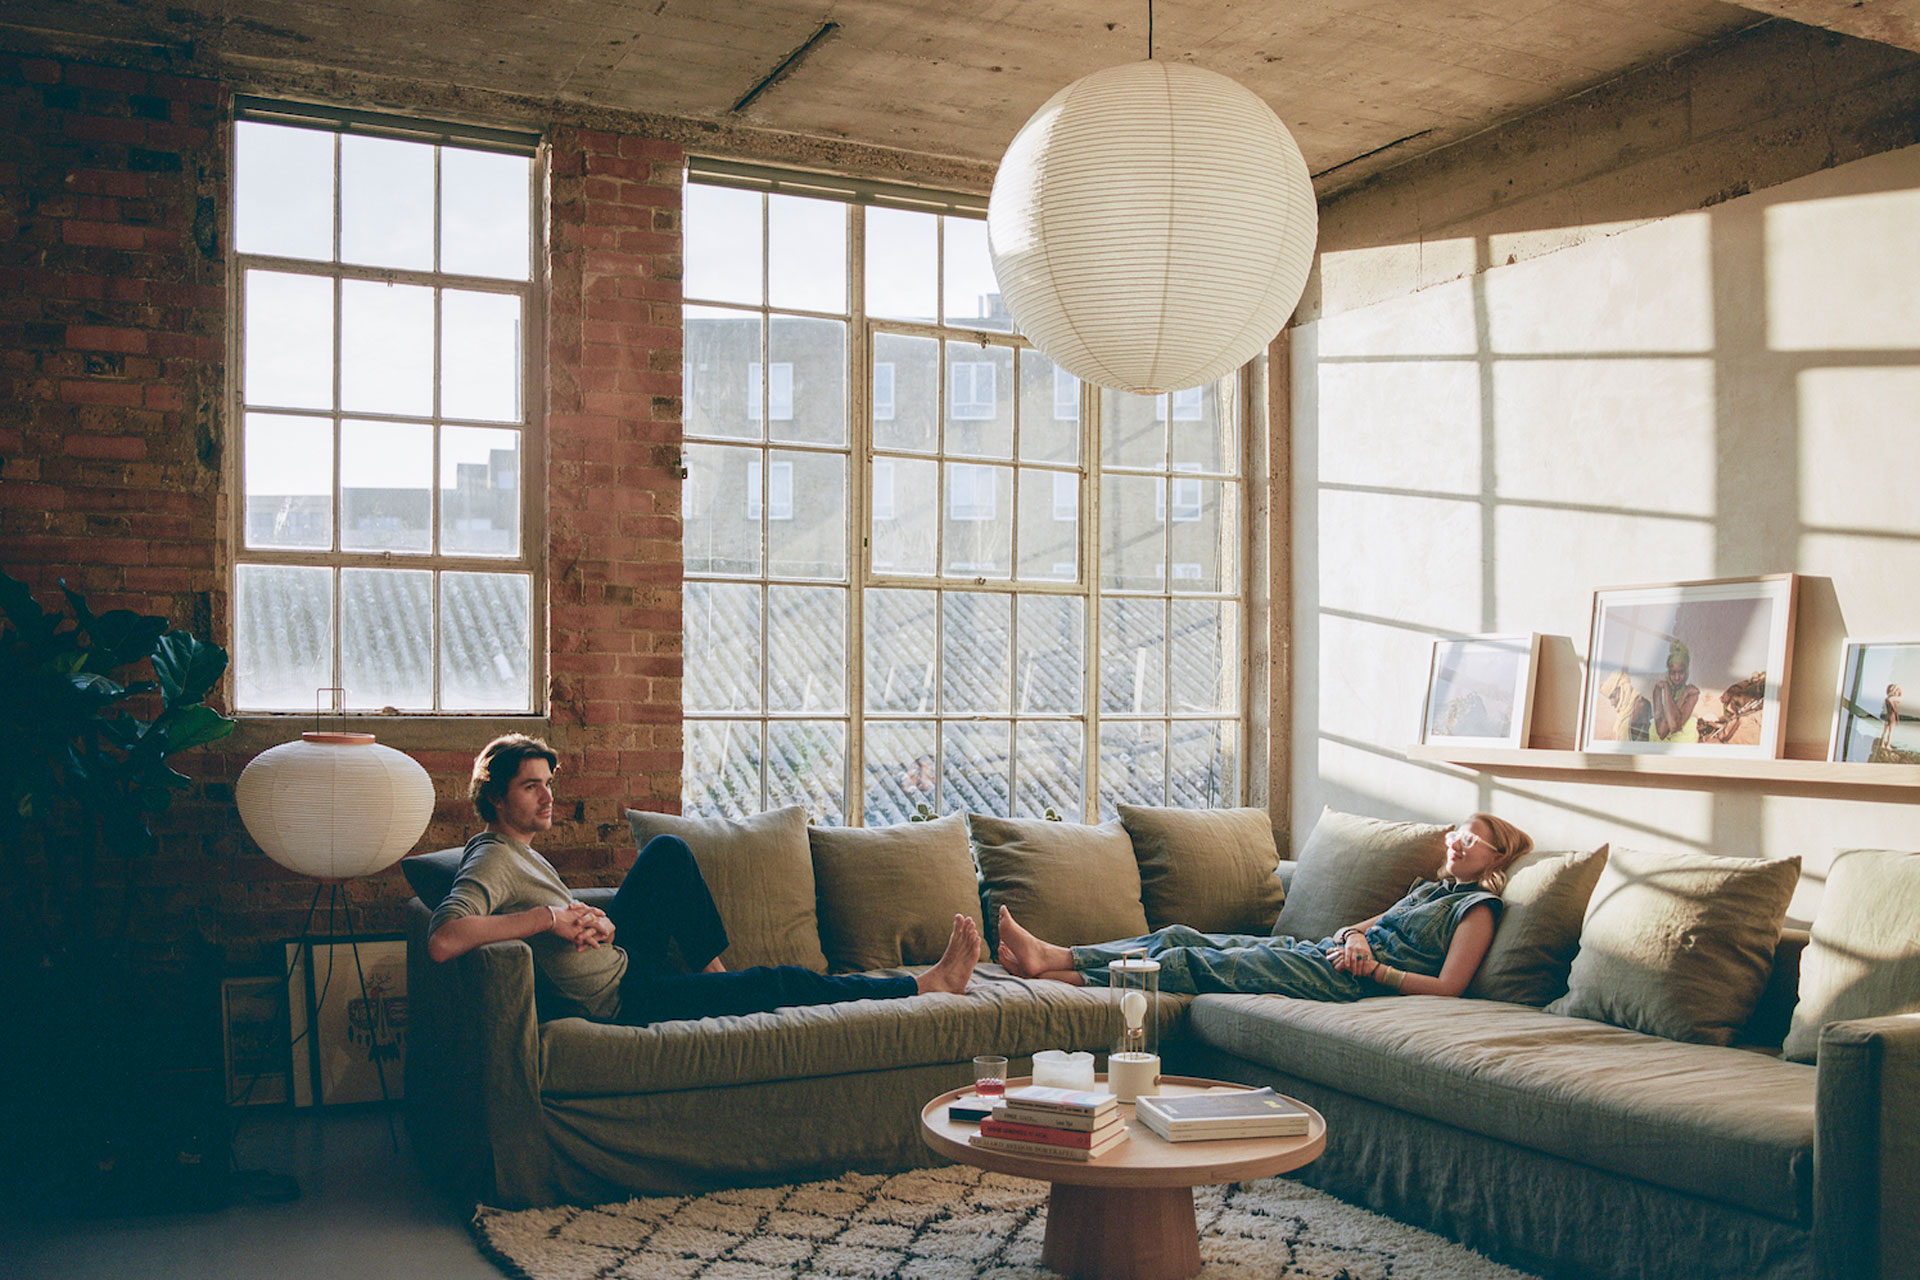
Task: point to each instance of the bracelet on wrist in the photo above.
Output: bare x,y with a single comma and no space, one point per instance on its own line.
553,916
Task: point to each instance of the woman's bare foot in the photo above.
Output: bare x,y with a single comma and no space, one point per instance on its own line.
956,962
1026,956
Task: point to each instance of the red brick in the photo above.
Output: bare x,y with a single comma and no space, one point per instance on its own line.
106,129
125,394
147,579
39,71
44,497
112,79
117,448
108,235
181,89
167,398
87,337
108,182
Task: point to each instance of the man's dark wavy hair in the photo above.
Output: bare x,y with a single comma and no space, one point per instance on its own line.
494,768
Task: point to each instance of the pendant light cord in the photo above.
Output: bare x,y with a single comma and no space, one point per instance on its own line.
1149,30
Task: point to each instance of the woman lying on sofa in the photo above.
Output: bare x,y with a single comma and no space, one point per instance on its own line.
506,890
1428,943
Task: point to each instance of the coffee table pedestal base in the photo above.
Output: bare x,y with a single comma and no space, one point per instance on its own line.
1121,1233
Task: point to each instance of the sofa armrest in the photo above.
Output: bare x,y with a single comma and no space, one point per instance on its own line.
1867,1148
1285,871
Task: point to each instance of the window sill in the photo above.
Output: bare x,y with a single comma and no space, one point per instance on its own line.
256,732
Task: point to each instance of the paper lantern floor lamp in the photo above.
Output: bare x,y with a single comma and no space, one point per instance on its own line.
335,807
1152,227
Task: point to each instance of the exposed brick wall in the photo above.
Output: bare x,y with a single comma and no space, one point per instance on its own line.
113,313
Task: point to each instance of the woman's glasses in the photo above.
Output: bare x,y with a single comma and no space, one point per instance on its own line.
1461,838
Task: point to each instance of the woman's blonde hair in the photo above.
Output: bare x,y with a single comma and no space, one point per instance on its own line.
1509,842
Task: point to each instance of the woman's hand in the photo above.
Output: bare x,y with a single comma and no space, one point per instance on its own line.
1355,956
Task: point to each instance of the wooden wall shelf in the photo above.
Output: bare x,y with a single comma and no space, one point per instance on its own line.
1607,768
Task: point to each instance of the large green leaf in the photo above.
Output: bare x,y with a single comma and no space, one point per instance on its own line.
193,727
30,622
187,666
121,637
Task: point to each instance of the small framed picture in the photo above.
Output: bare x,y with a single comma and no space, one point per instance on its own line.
1874,722
348,1018
253,1024
1690,668
1480,691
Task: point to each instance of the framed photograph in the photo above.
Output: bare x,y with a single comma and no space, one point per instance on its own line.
1690,668
1480,691
344,1040
253,1025
1874,722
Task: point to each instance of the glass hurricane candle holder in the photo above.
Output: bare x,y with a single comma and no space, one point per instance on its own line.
1133,1066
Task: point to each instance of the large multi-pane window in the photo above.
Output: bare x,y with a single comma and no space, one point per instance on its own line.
384,274
925,570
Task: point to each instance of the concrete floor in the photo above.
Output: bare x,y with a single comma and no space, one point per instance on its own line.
363,1212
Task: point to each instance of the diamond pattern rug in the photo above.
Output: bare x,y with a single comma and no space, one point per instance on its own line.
952,1223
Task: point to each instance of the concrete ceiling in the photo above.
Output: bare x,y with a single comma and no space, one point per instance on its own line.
1363,84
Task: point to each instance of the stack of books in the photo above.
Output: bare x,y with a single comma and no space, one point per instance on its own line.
1243,1113
1066,1124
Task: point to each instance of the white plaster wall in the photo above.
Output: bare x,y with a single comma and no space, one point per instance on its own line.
1719,393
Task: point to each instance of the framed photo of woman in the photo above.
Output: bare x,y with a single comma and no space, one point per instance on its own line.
1874,721
1690,668
1480,691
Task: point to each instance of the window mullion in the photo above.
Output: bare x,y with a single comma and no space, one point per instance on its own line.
1090,566
860,497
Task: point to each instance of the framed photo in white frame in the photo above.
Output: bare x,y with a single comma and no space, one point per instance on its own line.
1690,668
1874,720
1480,691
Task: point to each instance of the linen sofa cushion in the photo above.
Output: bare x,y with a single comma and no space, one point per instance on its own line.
1678,944
431,875
1067,882
1352,868
1546,897
761,877
888,895
1864,959
1726,1124
1212,869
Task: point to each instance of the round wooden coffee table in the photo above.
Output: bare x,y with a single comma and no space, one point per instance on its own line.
1129,1214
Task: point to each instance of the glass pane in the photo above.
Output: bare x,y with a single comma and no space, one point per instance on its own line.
912,379
1133,429
722,248
721,531
479,491
807,765
1049,411
282,636
901,776
1205,771
1049,525
484,210
1206,656
1052,655
386,639
386,202
480,359
289,481
1133,676
976,653
906,513
807,253
808,537
1048,773
1203,431
902,255
979,523
289,340
900,650
282,191
813,355
807,649
386,347
721,773
1205,518
1132,536
386,478
972,293
485,641
721,639
979,401
723,348
975,768
1133,765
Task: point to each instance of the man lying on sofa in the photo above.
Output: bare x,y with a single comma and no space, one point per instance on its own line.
506,890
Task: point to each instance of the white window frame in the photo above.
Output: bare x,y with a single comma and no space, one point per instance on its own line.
1066,396
973,495
779,490
972,403
1187,405
779,385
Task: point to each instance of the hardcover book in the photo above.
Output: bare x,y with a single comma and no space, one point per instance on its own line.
1241,1113
1048,1134
1040,1098
1079,1121
1013,1146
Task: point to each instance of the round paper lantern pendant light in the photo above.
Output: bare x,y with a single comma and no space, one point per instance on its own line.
1152,226
334,806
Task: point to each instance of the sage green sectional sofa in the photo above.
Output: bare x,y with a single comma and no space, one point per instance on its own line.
1611,1098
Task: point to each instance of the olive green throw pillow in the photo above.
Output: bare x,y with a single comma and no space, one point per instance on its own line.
761,877
1352,868
1864,959
1066,882
1679,944
888,895
1211,869
1546,899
